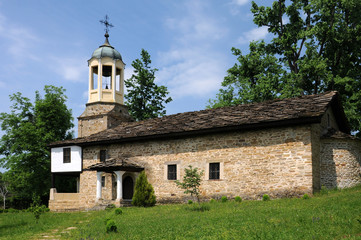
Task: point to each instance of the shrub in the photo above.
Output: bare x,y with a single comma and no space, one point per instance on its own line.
238,199
190,201
266,197
224,199
110,206
12,210
305,196
212,200
118,211
191,181
144,192
111,227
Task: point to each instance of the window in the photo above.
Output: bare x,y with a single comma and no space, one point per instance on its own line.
214,171
103,155
66,155
103,181
172,172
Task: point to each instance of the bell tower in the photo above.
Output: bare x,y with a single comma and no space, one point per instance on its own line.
105,108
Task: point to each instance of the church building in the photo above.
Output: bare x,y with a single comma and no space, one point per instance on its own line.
283,148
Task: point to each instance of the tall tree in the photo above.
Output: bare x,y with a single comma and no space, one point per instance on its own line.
28,129
316,48
145,99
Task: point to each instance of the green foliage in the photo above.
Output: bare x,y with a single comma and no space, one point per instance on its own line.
28,129
36,208
315,48
111,227
191,181
118,211
324,190
190,201
110,206
265,197
145,99
212,200
238,199
224,199
144,192
199,207
305,196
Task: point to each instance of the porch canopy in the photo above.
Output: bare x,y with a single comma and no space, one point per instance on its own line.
119,167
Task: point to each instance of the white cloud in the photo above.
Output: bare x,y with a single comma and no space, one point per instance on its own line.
192,66
19,40
240,2
71,69
253,35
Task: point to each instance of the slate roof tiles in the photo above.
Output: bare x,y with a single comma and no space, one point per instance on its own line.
304,109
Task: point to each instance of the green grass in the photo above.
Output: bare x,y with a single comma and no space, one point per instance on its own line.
334,215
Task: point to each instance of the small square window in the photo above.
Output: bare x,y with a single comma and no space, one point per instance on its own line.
66,155
103,181
214,171
103,155
172,172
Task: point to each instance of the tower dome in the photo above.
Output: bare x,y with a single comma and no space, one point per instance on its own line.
106,50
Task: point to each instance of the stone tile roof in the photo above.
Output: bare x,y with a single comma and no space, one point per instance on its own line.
112,164
333,133
279,112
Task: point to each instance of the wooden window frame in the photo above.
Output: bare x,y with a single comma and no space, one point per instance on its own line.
214,171
67,155
103,155
172,175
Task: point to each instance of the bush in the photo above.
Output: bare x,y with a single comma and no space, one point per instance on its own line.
3,210
118,211
238,199
190,201
143,192
305,196
266,197
12,210
110,206
111,227
212,200
224,199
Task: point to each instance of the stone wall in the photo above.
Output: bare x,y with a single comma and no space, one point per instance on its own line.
340,162
100,116
275,161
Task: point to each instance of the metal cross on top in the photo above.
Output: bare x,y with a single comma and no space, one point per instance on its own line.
106,23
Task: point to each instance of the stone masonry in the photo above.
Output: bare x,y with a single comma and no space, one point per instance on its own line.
274,161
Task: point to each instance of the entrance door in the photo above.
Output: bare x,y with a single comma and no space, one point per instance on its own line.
128,187
114,186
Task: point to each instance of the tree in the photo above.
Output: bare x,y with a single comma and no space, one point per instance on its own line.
143,192
4,191
145,99
28,129
191,181
316,48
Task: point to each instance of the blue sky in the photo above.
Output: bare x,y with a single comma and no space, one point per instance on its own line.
48,42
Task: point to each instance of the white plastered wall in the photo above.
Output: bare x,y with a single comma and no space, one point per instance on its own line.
57,164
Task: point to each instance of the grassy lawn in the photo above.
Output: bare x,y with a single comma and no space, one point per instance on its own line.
331,216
